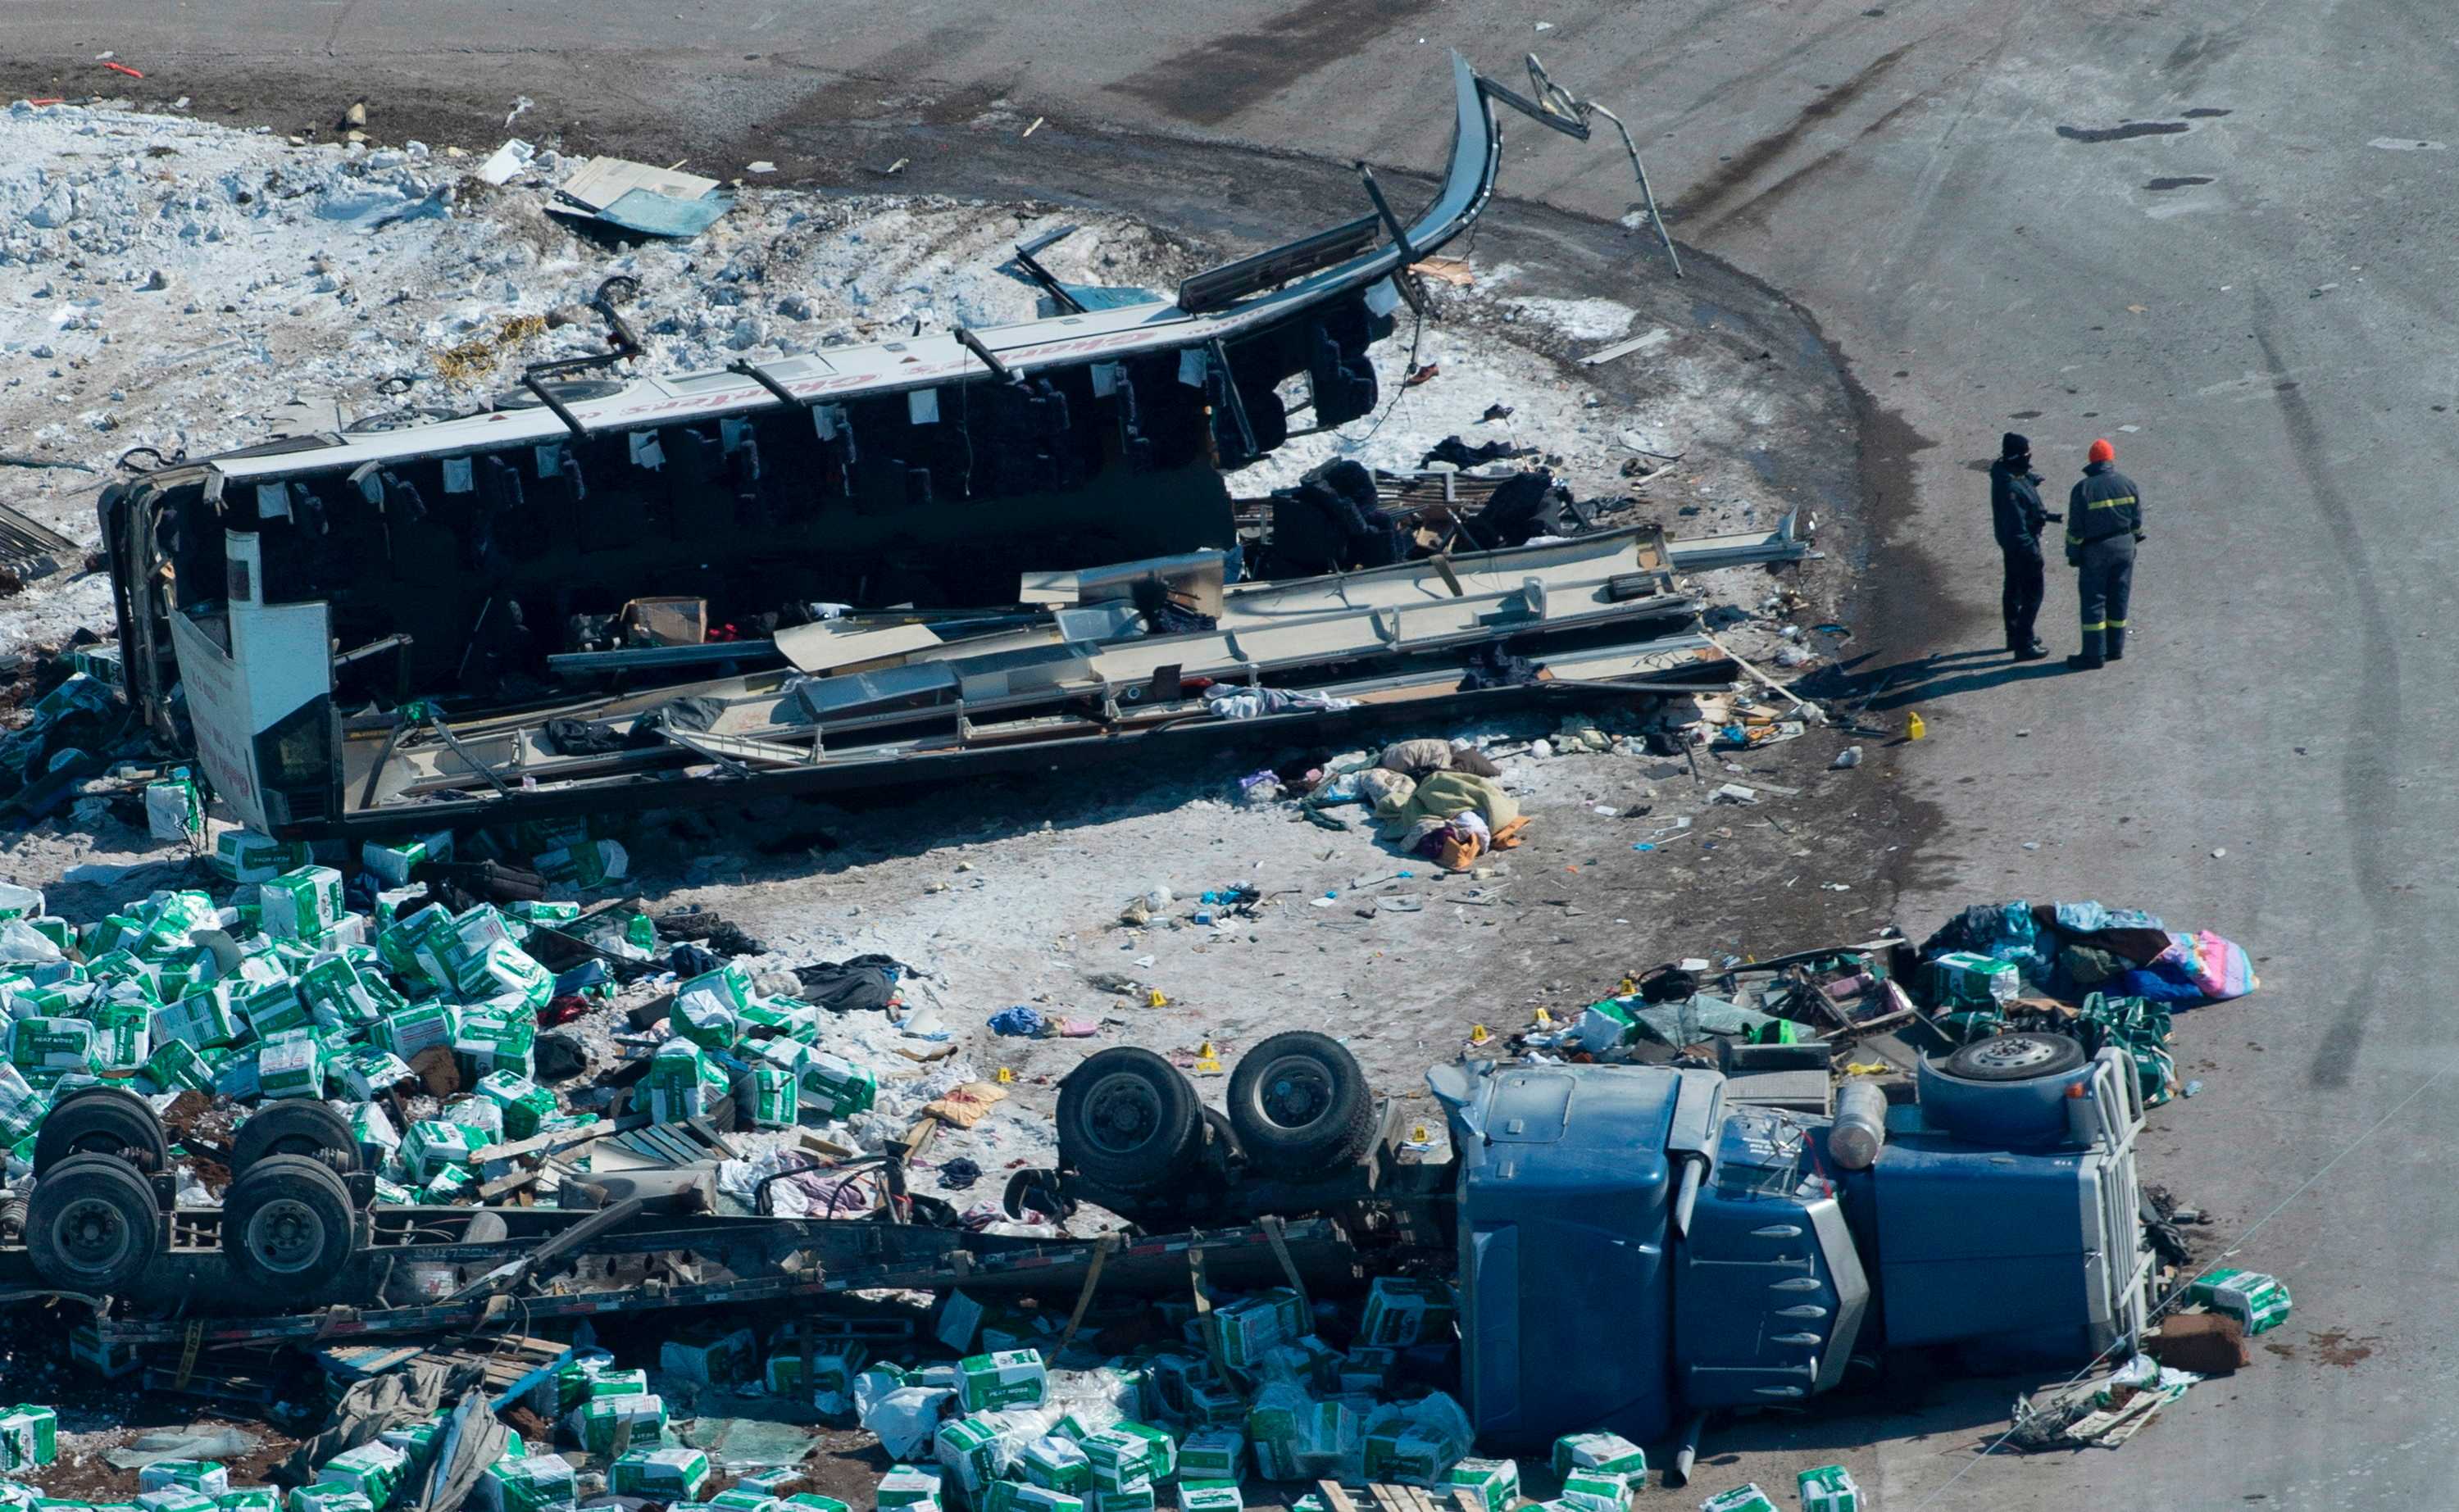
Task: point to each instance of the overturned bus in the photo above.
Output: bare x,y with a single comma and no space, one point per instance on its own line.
312,614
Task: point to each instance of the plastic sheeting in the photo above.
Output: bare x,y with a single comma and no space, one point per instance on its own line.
903,1418
472,1440
367,1409
197,1442
1694,1019
2002,932
2091,918
748,1443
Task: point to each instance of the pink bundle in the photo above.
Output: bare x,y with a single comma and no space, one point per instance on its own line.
2219,968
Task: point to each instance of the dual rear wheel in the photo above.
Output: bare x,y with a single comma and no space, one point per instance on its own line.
94,1222
1298,1107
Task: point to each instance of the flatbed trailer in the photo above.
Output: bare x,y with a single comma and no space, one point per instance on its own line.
189,1292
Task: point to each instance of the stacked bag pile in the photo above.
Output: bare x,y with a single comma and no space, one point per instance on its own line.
284,992
1249,1387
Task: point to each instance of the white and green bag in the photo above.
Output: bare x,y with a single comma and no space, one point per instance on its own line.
663,1474
302,904
1829,1489
1006,1378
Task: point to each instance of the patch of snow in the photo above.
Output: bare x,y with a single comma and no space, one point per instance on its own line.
1580,319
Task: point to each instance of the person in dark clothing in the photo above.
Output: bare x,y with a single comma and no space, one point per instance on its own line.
2104,522
2017,515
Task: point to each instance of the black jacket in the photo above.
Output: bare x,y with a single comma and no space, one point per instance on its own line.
2015,509
2103,505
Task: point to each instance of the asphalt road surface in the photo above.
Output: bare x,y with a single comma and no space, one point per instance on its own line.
2217,235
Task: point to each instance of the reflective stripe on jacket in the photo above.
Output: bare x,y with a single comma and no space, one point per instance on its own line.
2104,503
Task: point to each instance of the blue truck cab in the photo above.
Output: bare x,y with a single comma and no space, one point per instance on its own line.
1640,1244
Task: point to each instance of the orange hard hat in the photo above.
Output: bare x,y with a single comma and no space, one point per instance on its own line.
2103,452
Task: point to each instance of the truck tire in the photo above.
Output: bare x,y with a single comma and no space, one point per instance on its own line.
92,1225
102,1120
1299,1104
1128,1119
287,1226
2016,1057
296,1127
2008,1090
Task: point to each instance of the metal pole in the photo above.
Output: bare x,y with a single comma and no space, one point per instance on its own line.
1645,192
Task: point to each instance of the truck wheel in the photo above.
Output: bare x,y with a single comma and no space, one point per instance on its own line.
102,1120
1299,1104
287,1226
92,1225
2016,1057
296,1127
1128,1119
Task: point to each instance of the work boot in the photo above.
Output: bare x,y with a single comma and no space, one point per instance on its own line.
2032,651
2079,663
2117,642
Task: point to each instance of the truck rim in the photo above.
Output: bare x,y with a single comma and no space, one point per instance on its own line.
1294,1091
1123,1112
2013,1053
94,1234
285,1236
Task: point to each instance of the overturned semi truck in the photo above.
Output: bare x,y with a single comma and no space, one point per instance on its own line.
1633,1247
382,590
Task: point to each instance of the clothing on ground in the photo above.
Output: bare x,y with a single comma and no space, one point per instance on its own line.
866,983
1442,795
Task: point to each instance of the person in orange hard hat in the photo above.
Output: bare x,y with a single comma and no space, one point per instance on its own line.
2104,524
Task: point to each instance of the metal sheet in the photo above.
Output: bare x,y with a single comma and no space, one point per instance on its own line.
830,645
1196,577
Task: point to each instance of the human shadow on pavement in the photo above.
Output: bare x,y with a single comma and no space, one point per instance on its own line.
1924,679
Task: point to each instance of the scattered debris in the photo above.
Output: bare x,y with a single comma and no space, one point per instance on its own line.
506,161
638,198
1646,341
